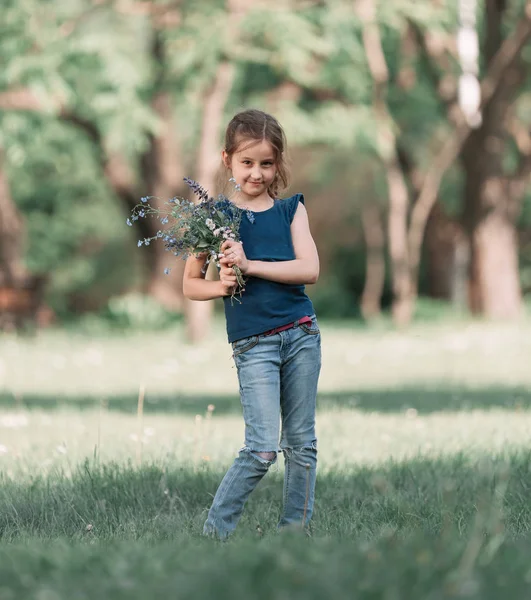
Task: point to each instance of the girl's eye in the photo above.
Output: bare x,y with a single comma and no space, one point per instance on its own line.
267,164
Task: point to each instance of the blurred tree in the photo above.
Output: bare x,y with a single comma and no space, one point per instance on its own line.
12,268
95,75
497,94
374,234
387,148
208,72
491,195
150,83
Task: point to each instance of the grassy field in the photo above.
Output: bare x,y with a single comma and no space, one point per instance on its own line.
423,488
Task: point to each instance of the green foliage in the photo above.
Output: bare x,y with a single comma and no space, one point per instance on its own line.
333,298
135,311
100,64
72,221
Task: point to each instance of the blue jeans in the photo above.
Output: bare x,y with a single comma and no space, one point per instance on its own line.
278,377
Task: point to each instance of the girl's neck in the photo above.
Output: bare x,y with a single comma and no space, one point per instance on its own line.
259,203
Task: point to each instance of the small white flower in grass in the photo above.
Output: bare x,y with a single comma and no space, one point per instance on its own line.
217,232
210,224
411,413
61,449
3,449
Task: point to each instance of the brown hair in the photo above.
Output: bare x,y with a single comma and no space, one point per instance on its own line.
253,124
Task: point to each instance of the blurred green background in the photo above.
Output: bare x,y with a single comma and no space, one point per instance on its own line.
103,102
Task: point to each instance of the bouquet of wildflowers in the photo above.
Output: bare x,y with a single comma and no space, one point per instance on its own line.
194,228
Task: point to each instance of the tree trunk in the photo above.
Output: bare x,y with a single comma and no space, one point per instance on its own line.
398,247
162,170
199,313
494,279
468,144
489,214
447,257
396,185
12,269
373,231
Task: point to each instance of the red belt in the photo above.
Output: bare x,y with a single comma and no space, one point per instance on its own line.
289,326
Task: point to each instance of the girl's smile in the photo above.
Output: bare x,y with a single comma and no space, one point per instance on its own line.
254,167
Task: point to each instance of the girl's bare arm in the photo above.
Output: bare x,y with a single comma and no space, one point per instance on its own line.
195,286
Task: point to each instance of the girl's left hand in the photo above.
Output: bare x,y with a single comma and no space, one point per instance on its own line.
233,254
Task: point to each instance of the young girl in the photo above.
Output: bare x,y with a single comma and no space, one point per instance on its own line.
273,331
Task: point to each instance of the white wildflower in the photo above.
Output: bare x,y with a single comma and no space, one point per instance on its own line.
217,231
3,449
210,224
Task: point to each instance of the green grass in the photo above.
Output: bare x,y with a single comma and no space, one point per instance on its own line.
424,469
445,527
159,502
286,567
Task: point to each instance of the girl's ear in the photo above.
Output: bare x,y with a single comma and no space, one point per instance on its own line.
225,158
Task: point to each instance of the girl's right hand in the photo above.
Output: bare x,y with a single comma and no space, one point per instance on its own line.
228,280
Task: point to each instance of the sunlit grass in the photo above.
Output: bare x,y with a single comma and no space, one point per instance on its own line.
70,364
39,441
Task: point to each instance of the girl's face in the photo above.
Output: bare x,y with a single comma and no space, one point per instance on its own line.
253,166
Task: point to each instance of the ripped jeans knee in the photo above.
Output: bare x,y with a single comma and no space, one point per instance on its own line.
267,458
305,455
270,456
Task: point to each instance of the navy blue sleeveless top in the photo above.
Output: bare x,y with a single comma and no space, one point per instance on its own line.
266,304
